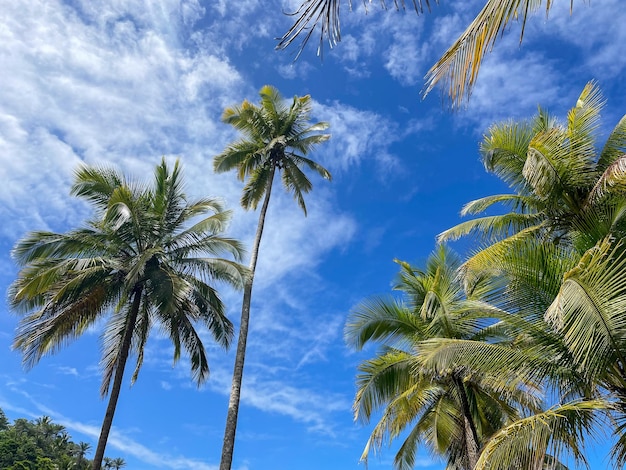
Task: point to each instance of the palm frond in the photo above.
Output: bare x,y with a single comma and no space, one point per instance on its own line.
557,432
614,147
458,68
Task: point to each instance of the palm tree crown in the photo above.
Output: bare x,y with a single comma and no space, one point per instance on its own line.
275,136
450,410
136,264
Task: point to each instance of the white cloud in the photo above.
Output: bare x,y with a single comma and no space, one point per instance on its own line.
68,370
357,135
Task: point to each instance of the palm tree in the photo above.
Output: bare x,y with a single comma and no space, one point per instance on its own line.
565,190
276,137
80,452
560,253
450,410
457,69
118,463
138,262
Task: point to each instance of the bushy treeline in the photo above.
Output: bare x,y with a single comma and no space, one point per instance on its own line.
41,444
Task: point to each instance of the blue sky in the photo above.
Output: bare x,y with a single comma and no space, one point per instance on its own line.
124,82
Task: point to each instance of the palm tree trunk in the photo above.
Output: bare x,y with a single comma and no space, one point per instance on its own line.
228,446
117,381
469,428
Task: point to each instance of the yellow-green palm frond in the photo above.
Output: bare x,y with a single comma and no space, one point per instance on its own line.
589,308
458,68
493,228
515,202
614,147
504,148
553,434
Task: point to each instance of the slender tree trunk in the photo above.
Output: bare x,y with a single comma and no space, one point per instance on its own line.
117,381
469,428
228,446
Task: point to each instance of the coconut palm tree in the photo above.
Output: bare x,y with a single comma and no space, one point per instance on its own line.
560,254
144,259
566,191
118,463
276,138
450,410
457,69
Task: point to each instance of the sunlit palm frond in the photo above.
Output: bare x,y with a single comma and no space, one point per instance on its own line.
504,148
457,70
515,202
557,432
614,147
589,309
385,320
494,227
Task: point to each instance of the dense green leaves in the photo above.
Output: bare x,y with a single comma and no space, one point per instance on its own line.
41,444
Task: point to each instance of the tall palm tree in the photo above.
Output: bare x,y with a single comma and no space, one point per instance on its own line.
144,259
448,409
276,138
457,69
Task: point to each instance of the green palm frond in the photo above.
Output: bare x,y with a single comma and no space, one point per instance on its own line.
614,147
559,431
512,201
458,68
276,136
492,228
96,185
583,121
589,309
612,180
382,319
504,148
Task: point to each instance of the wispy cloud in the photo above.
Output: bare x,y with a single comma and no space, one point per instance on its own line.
67,370
118,439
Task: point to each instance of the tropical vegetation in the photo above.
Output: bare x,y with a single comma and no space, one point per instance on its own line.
276,137
450,410
147,258
557,255
513,358
41,444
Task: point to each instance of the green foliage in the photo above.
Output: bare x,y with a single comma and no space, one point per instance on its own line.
149,257
430,401
559,259
274,136
41,444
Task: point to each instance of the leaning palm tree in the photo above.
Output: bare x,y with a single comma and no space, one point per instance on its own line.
457,69
143,260
447,409
276,138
